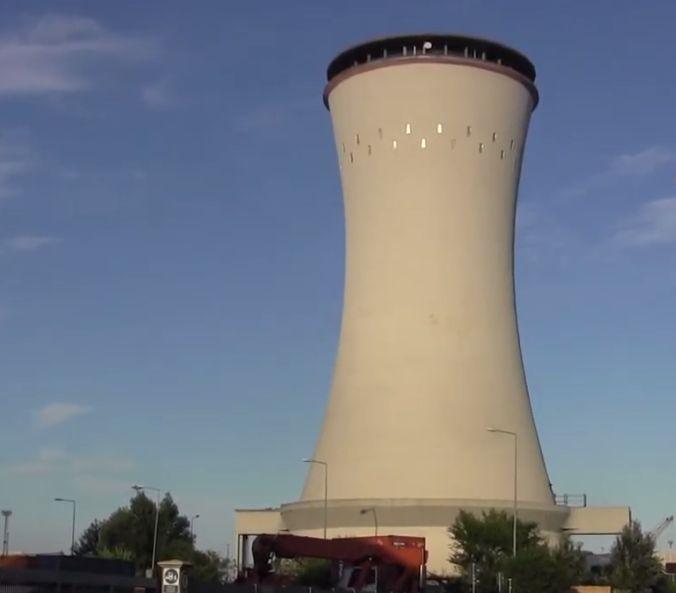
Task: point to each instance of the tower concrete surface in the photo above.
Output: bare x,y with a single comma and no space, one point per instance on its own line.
430,132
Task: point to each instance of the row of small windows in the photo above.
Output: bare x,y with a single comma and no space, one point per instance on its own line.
423,145
408,130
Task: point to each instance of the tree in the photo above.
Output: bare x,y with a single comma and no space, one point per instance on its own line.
633,564
209,566
88,544
541,569
308,572
486,542
128,533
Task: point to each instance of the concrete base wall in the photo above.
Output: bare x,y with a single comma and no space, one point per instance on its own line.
416,517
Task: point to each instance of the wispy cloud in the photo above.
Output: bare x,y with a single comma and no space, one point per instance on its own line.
54,54
49,460
13,162
653,224
28,243
271,117
625,166
159,94
57,413
540,235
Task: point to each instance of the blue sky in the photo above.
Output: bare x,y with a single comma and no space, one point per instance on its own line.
171,248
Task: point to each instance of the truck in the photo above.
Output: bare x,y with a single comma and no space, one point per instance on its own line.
378,564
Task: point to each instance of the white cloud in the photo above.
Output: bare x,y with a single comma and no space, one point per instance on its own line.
53,55
49,454
653,224
625,166
57,413
112,465
642,163
13,162
93,468
159,94
271,116
27,243
541,236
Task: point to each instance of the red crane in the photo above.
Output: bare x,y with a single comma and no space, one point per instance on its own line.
397,561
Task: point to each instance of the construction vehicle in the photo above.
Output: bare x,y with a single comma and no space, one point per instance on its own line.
380,564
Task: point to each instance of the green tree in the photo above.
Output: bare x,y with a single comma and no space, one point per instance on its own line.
127,534
541,569
486,542
209,566
88,544
132,528
308,572
634,567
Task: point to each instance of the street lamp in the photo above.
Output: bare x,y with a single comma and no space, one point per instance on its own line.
6,514
326,487
513,434
140,488
375,517
192,521
72,533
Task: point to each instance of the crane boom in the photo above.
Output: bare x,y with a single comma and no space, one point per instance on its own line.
659,529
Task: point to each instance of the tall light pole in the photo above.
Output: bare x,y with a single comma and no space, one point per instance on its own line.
6,514
140,488
375,517
192,521
516,458
72,532
326,487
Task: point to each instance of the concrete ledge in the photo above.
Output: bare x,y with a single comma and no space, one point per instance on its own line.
597,520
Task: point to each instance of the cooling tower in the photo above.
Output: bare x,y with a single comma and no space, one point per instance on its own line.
430,133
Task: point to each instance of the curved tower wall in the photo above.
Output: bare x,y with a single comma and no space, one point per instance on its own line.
429,149
430,156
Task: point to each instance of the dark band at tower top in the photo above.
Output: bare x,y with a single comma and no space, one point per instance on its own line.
434,45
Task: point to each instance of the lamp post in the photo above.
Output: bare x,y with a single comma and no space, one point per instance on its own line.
192,521
513,434
6,514
140,488
326,487
375,517
72,531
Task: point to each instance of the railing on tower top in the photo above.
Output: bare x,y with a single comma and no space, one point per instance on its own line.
571,500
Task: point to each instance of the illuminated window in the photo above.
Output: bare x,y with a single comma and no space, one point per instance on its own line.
394,144
440,129
423,143
408,128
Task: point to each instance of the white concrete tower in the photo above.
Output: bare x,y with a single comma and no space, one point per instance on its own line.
430,132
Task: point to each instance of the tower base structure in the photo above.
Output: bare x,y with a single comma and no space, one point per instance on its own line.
426,518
